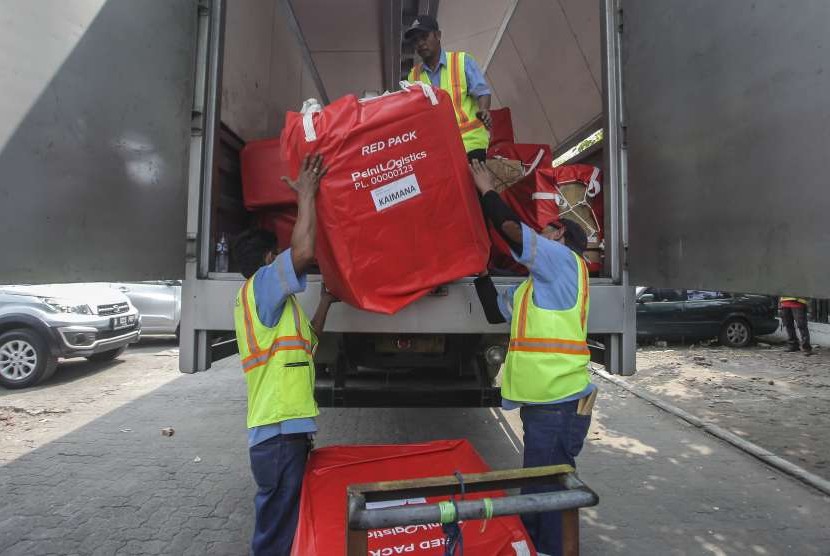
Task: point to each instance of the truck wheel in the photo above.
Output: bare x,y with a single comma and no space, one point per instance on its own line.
25,359
107,355
736,333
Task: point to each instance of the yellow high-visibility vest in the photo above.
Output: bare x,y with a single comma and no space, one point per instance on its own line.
277,361
454,81
548,355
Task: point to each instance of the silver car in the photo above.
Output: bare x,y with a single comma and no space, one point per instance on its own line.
39,324
159,302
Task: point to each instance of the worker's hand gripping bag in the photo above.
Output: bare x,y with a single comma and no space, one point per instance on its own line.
398,214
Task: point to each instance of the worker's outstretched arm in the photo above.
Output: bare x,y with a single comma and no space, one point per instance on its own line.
488,295
306,185
326,300
502,216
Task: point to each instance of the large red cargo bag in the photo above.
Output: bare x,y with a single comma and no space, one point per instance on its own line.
262,170
321,529
398,213
570,191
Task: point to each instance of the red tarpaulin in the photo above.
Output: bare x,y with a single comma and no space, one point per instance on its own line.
571,191
502,131
398,212
262,171
321,530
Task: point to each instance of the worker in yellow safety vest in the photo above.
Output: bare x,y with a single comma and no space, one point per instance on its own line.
545,373
458,74
794,314
276,344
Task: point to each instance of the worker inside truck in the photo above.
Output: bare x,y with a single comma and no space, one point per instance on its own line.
276,343
546,370
459,75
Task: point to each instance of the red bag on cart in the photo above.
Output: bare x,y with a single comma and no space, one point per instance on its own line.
570,191
262,170
398,214
321,530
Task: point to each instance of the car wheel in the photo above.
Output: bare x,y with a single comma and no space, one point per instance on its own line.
25,359
736,333
107,355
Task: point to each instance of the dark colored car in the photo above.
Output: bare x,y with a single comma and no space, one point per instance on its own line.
735,318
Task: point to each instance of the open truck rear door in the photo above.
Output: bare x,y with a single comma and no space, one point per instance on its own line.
725,123
97,119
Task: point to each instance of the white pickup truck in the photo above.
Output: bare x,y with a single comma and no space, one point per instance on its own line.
121,123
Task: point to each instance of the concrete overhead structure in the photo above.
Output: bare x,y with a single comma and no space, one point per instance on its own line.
542,59
271,65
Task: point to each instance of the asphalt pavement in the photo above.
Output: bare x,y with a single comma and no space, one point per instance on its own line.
98,477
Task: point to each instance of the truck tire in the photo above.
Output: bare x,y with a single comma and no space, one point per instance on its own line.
736,333
25,359
105,356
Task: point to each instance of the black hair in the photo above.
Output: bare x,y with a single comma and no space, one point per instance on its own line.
249,249
575,237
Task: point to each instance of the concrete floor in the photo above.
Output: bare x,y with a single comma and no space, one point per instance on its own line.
101,479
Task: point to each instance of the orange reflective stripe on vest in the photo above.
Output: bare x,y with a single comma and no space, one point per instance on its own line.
552,345
259,357
283,343
583,313
457,93
250,338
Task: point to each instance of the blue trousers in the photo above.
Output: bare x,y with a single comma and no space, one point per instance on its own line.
278,465
553,435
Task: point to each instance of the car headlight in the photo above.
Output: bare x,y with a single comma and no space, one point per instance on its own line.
67,306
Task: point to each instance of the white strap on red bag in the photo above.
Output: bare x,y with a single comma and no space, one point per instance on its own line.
310,107
593,184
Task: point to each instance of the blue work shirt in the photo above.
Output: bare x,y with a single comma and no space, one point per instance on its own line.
555,287
272,286
476,85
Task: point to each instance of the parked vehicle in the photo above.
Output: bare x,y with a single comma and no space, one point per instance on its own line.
734,318
39,324
135,172
159,302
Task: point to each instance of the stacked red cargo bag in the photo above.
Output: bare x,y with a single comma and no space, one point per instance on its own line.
577,191
321,530
398,214
542,193
264,192
570,191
